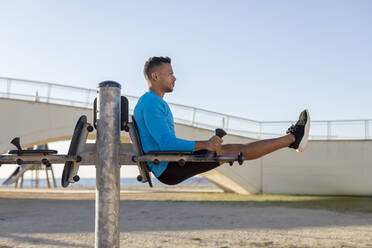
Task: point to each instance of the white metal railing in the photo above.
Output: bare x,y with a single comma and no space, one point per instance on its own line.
83,97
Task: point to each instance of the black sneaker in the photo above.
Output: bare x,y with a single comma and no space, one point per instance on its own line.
301,131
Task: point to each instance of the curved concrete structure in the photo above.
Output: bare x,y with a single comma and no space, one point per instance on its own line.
326,167
36,123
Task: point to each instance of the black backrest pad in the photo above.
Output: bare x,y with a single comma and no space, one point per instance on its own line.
134,136
124,112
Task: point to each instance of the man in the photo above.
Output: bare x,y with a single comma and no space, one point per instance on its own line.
156,130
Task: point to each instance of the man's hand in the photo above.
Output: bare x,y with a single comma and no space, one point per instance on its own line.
213,144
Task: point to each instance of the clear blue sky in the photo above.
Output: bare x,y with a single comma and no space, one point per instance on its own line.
264,60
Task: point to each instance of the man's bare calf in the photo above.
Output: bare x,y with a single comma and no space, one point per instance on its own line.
257,149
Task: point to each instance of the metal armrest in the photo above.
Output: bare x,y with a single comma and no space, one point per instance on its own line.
183,158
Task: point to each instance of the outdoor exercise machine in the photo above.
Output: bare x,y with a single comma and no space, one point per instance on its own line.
110,116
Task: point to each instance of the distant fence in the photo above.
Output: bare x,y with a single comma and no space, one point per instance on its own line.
81,97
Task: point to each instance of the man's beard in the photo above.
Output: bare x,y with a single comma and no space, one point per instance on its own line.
169,89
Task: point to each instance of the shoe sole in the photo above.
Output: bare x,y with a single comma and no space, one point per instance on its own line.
303,143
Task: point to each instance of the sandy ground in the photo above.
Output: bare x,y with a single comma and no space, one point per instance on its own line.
67,220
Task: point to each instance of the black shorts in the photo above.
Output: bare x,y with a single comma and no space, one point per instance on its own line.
175,173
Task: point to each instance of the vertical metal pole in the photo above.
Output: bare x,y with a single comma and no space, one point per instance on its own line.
107,232
37,169
47,176
87,98
49,89
366,129
54,179
329,130
21,181
8,86
259,136
227,123
193,116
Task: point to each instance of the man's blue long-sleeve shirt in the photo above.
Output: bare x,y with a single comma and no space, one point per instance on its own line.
156,129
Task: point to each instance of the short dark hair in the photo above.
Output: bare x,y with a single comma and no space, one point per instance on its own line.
153,62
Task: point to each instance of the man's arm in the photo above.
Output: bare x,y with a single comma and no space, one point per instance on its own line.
156,123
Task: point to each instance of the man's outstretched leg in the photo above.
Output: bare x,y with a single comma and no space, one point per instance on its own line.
296,138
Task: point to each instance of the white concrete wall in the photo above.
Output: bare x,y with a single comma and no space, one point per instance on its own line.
326,167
